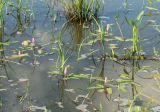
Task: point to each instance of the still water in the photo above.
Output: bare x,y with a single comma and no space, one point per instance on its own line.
29,84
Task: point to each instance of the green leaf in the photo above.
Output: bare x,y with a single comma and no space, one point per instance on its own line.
119,38
125,71
130,22
117,15
137,109
151,8
100,90
125,76
109,91
139,17
122,87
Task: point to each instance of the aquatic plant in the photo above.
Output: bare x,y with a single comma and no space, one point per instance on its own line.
135,32
81,10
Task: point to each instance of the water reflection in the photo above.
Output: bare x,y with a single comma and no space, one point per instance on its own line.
97,82
76,33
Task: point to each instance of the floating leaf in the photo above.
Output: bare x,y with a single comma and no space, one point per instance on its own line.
109,91
119,38
100,90
124,75
122,87
25,43
18,56
157,76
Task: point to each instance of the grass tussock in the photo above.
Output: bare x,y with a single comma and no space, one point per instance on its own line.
81,10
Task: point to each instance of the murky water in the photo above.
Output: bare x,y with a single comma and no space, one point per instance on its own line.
29,83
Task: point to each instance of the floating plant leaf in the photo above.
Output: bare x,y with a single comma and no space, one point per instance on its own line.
18,56
79,76
109,91
100,90
98,86
25,43
55,73
157,76
119,38
122,87
124,75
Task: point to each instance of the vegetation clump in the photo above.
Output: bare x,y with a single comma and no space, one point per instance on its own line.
81,10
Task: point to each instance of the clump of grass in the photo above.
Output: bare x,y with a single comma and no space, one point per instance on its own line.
81,10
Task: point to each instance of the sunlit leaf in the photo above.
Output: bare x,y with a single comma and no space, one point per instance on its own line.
18,56
151,8
109,91
140,15
122,87
100,90
119,38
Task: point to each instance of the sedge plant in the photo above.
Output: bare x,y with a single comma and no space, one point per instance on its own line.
81,10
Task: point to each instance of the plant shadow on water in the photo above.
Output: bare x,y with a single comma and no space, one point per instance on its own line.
86,65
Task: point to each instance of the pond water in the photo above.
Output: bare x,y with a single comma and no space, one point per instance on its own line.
51,65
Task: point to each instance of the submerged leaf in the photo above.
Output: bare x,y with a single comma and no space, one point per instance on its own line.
3,90
34,108
60,105
82,107
70,90
122,101
23,80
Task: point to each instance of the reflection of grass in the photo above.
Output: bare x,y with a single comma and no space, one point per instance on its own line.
1,26
2,53
81,10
